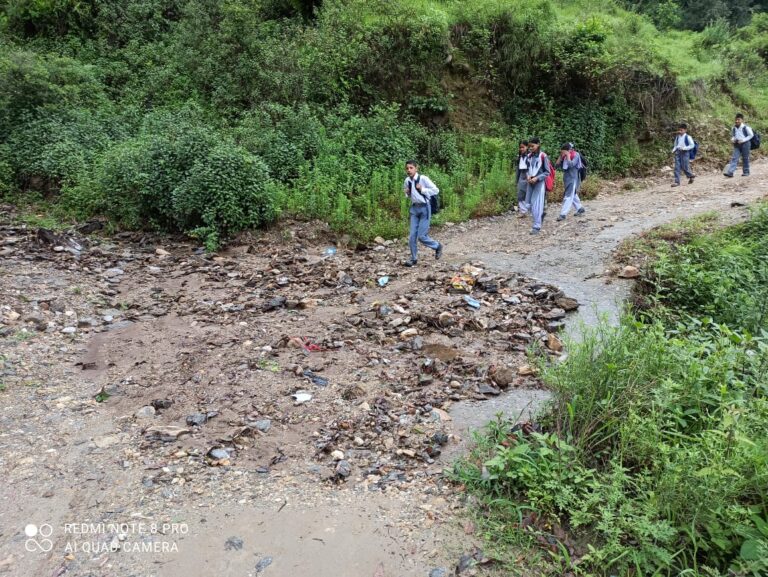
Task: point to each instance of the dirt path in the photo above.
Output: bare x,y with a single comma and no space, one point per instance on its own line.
148,407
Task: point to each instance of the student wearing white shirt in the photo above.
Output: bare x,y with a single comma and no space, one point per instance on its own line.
522,178
741,134
683,145
419,189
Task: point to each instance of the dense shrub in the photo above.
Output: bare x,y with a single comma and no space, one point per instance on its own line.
178,174
32,83
60,147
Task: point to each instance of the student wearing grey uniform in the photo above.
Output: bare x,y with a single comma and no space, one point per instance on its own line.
419,188
522,178
537,173
570,163
741,135
682,151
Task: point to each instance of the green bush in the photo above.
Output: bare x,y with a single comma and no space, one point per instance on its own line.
178,174
225,192
7,184
56,148
31,83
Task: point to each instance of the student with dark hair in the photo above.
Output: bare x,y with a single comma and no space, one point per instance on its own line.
741,134
537,171
683,145
419,189
571,164
522,178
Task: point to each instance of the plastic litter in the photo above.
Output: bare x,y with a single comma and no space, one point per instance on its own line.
301,397
475,304
316,379
383,281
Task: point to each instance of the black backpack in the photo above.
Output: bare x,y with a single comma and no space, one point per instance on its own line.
434,204
583,172
754,143
434,201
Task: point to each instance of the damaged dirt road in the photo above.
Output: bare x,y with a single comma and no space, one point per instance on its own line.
287,406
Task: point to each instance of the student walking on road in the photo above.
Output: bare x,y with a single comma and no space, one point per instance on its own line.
741,135
522,178
571,164
538,169
419,189
682,151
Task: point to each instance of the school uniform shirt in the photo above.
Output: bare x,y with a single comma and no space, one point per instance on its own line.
742,132
428,189
683,142
537,167
522,165
570,165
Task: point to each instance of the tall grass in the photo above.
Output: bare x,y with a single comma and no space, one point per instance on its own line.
656,442
482,184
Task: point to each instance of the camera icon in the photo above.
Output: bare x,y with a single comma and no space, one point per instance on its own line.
38,538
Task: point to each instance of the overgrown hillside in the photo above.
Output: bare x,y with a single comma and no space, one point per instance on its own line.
212,117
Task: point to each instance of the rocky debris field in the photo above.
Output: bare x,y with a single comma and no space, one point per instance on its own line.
283,365
274,354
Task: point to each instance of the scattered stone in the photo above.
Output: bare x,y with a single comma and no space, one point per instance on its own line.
567,304
263,425
503,376
197,419
233,544
69,330
160,404
337,455
553,343
629,272
106,441
554,314
526,370
343,470
218,457
146,412
486,389
438,572
440,438
263,564
167,434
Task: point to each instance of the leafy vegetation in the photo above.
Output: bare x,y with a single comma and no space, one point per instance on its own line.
653,458
133,110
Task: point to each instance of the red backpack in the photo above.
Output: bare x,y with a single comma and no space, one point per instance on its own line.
549,182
